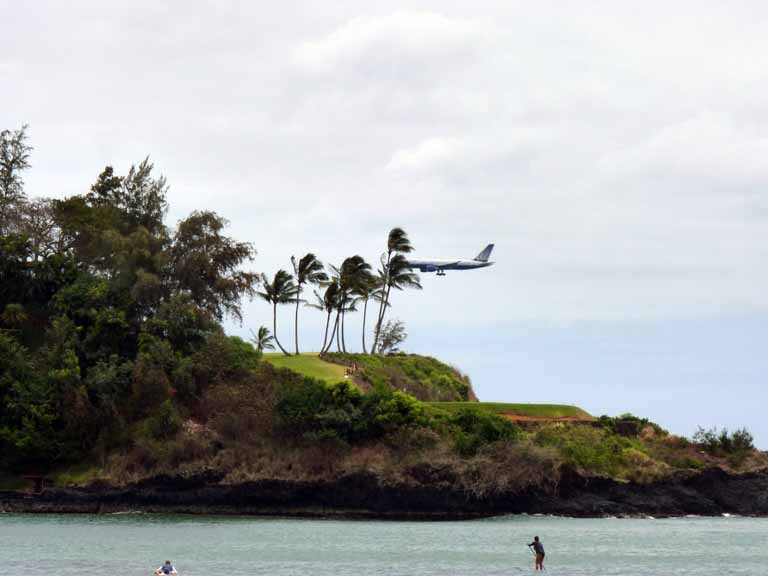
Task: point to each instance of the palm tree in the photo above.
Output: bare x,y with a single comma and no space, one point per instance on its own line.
327,303
353,274
398,275
397,245
280,291
263,339
308,270
368,287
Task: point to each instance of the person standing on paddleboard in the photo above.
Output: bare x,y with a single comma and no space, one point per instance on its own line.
538,547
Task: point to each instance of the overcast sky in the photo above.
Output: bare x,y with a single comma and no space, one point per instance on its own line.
615,152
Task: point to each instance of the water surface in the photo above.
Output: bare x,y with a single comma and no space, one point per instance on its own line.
128,545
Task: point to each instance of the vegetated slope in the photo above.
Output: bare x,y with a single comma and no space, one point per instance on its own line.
308,364
423,377
522,411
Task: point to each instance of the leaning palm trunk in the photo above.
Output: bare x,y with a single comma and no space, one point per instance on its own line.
365,313
343,341
333,334
325,335
296,321
274,328
382,311
338,331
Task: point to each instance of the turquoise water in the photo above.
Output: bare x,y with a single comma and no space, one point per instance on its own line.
128,545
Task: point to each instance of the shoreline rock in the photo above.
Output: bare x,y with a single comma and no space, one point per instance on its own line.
712,492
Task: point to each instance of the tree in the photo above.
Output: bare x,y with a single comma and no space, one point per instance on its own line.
398,275
368,287
327,303
38,222
280,291
308,270
206,265
354,273
14,159
397,243
262,339
392,335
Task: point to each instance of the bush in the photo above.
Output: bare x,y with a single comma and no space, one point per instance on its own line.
312,408
593,450
476,428
716,441
629,425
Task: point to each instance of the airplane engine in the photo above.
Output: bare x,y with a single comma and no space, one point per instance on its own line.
430,268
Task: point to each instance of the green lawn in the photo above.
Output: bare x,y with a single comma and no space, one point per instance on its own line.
532,410
308,365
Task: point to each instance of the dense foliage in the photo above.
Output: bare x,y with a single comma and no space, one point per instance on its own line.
105,311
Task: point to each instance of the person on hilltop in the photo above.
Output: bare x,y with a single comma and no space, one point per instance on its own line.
538,547
166,568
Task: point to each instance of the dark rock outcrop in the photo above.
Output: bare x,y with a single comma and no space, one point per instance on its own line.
430,493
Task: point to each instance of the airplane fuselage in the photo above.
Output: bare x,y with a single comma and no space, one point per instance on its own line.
437,265
440,265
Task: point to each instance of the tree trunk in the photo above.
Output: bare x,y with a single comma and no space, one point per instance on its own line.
296,321
333,333
382,306
382,312
274,328
338,337
325,336
365,313
343,341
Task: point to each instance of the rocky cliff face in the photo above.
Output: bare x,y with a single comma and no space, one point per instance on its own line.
425,496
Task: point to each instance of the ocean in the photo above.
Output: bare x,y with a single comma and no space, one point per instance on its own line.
135,544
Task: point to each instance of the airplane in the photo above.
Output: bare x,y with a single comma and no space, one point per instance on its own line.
440,266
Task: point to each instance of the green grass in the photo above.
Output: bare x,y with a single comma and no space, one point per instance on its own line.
532,410
307,365
423,377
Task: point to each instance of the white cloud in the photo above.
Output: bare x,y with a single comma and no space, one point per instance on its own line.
706,146
427,155
391,37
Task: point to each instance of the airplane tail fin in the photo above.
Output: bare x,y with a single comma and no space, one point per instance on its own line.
485,254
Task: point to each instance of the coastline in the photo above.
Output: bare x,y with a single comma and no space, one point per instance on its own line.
713,492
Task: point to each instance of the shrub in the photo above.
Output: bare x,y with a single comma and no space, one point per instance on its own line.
476,428
312,408
593,450
716,441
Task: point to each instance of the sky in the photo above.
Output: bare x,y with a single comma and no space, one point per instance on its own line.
615,152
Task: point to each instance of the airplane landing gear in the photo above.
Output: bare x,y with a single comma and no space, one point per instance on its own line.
441,273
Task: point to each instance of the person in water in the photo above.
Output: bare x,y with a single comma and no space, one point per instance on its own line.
166,568
538,547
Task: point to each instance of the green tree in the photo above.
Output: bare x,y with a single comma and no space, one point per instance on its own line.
280,291
369,287
327,303
397,274
398,243
352,275
263,339
14,159
392,335
206,265
307,270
